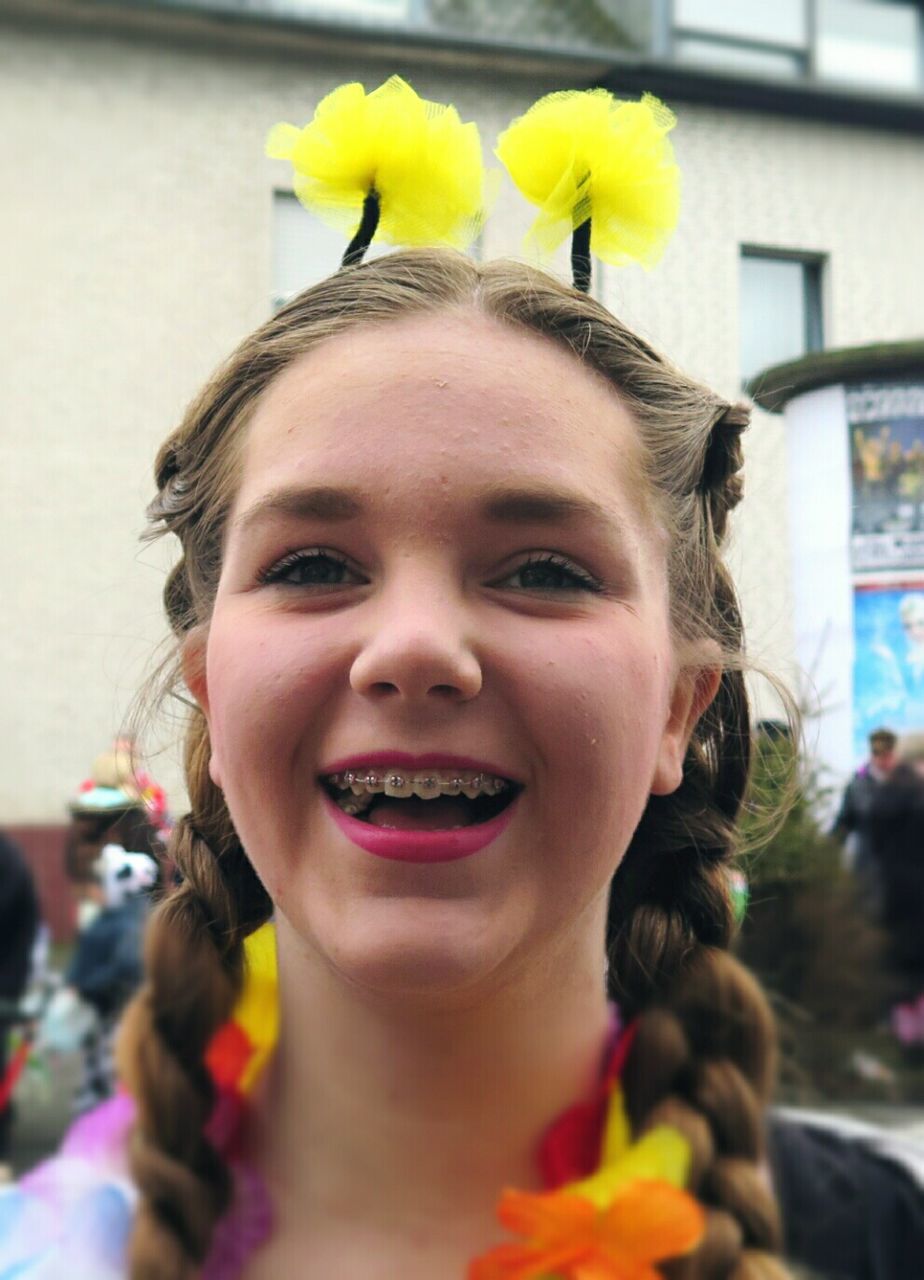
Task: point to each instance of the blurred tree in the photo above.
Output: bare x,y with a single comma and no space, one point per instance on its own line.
806,933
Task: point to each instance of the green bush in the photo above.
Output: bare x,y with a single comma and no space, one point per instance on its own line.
807,934
781,838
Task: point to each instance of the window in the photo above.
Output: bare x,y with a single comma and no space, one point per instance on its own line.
869,42
388,11
565,24
305,250
735,56
780,308
877,43
747,35
783,22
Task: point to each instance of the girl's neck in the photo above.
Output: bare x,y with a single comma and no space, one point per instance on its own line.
378,1111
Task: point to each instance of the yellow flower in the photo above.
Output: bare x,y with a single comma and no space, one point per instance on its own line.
580,155
423,162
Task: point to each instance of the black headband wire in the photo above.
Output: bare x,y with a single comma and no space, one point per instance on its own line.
580,257
368,225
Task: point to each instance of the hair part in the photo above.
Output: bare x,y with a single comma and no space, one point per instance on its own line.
704,1051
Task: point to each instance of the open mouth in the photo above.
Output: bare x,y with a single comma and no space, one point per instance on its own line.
430,800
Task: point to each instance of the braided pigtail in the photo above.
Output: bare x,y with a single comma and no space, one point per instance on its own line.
704,1055
193,960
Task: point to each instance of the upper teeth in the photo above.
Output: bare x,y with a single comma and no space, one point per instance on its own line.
428,786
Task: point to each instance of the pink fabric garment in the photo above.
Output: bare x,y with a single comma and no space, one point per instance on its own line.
71,1216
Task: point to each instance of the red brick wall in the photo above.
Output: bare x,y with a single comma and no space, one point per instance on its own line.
44,850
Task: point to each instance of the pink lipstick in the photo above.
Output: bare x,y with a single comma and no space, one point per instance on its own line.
420,846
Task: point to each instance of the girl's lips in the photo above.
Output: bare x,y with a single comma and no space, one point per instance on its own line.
419,846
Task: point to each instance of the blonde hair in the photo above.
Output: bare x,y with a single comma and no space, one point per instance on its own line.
704,1054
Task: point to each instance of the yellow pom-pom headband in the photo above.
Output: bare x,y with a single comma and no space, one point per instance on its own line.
387,162
600,169
392,163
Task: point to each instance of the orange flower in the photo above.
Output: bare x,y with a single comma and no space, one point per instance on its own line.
569,1237
613,1225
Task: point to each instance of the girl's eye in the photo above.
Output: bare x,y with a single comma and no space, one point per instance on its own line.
311,568
550,573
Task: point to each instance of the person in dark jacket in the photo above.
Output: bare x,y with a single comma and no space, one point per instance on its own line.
852,1207
852,824
897,842
107,967
19,922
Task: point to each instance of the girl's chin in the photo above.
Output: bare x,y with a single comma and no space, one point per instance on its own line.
416,958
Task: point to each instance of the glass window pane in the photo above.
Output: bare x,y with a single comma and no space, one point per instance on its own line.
390,11
740,57
869,43
304,249
604,24
783,22
772,312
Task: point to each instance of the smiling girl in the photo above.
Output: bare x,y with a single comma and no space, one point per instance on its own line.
467,673
469,725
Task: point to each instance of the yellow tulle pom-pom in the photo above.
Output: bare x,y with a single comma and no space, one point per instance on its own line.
580,155
423,162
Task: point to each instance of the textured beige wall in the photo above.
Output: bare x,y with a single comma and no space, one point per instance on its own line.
137,206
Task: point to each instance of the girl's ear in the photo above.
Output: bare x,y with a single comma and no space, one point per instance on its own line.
694,690
192,662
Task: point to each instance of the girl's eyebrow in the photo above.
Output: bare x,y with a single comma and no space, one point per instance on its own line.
542,505
318,503
536,504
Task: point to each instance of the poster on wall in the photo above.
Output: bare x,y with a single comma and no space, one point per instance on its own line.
886,425
888,673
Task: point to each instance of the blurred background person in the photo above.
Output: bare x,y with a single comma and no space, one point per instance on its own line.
113,857
106,967
852,826
19,922
118,804
896,835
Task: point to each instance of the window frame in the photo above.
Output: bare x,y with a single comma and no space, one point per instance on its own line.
814,277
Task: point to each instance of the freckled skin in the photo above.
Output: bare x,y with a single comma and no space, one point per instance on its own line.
575,694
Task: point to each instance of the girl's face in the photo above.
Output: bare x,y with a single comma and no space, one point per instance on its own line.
438,566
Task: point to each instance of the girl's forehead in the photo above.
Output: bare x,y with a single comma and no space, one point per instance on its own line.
460,385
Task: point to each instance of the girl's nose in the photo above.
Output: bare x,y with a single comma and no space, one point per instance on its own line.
418,652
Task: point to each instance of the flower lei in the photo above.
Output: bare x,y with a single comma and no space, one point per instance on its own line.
612,1209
